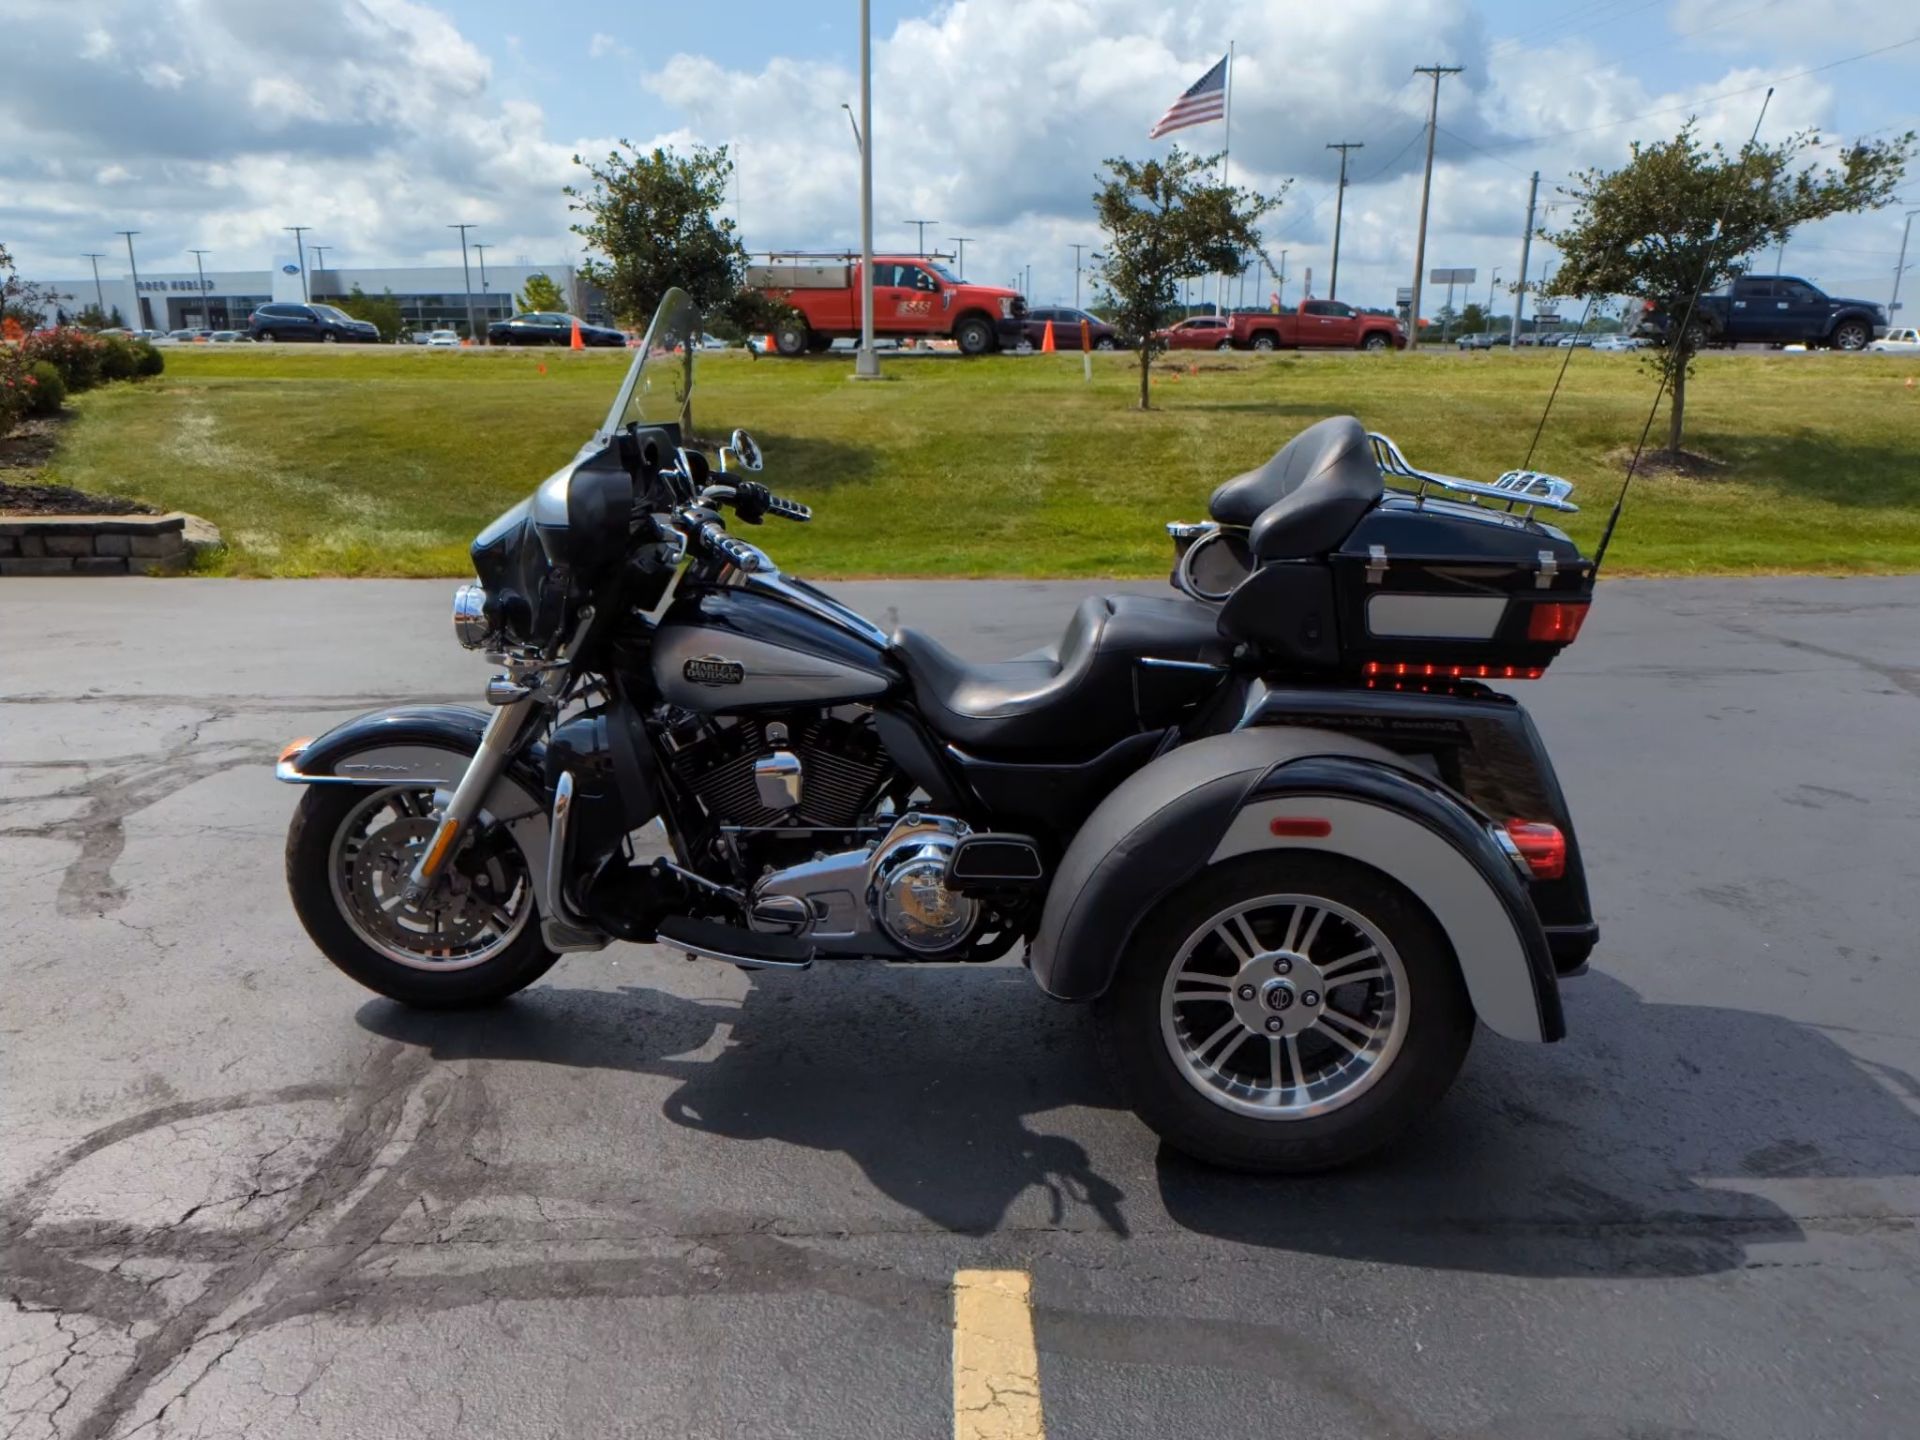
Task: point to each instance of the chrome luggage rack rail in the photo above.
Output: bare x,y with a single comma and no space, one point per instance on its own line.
1528,488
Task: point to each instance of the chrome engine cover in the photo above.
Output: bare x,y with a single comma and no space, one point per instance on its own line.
906,885
896,888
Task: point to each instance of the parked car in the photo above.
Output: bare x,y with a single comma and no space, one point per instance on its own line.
320,323
1618,343
1768,310
915,297
190,334
1197,332
443,340
1904,341
551,327
1485,340
1066,328
1315,325
229,337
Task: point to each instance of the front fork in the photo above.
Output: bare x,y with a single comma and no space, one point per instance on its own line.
503,732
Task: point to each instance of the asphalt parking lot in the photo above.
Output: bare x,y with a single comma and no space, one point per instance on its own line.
659,1198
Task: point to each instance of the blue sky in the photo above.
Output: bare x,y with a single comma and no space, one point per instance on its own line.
215,122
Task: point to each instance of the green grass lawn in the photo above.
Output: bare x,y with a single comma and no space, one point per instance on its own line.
327,462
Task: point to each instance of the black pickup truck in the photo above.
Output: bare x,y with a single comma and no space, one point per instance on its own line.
1769,310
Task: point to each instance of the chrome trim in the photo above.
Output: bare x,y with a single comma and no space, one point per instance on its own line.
777,778
701,952
1183,580
1528,488
1190,529
554,899
505,689
470,624
1549,568
1376,564
1154,662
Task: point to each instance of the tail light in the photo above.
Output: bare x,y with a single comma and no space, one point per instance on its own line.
1541,845
1556,622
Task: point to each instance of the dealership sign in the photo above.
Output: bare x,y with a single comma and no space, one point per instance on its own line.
194,285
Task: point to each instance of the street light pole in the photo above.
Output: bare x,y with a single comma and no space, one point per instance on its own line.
866,365
139,317
959,242
320,257
481,251
920,245
467,273
206,310
1492,280
100,296
1899,268
1076,272
300,244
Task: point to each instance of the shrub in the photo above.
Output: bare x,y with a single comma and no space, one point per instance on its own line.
15,393
73,352
117,358
46,391
148,361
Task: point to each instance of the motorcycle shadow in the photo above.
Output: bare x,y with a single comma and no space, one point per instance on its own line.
1644,1145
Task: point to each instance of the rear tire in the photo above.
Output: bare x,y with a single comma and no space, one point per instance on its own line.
791,338
312,856
1264,342
1298,1102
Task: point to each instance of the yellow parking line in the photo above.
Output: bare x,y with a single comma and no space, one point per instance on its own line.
996,1370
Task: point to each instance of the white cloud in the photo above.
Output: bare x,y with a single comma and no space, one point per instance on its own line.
603,45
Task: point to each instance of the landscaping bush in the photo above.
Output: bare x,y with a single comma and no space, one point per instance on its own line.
16,396
117,358
46,391
73,352
148,360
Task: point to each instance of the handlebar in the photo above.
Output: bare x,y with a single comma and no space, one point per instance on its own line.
714,539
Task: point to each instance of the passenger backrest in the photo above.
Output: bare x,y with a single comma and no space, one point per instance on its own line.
1305,499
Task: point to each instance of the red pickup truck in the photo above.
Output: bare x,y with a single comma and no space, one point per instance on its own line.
915,297
1317,324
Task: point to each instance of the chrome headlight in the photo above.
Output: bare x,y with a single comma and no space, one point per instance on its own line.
471,627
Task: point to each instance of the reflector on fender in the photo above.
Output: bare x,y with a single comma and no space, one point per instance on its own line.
1556,622
1304,826
293,748
1542,846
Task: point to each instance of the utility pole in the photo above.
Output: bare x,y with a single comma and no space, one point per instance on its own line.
300,244
100,296
1526,247
959,242
206,310
1076,273
920,245
139,316
1893,305
866,365
1339,203
1282,278
1492,280
1426,193
468,274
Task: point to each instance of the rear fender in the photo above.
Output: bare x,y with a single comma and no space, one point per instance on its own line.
1217,799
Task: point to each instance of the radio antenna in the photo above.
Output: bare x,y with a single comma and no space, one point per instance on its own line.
1675,338
1547,409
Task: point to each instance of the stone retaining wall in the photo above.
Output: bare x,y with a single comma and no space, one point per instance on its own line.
96,544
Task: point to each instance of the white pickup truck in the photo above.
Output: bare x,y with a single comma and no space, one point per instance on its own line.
1898,342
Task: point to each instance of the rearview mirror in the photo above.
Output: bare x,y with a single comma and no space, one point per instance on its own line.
746,450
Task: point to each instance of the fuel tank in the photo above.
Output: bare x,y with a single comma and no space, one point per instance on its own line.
731,649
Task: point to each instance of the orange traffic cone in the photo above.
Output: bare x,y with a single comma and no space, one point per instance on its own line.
576,343
772,345
1046,340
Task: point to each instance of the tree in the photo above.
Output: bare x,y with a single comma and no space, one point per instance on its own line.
652,221
1473,318
20,301
1679,217
92,317
380,311
540,293
1168,221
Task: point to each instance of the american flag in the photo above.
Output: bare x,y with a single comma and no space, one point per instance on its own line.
1204,100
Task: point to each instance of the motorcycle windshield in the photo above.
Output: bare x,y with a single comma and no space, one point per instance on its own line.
658,386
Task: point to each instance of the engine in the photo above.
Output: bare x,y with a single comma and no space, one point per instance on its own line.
809,770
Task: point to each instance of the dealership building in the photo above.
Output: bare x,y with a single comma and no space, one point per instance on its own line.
431,297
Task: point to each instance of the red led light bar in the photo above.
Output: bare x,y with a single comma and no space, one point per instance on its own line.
1384,669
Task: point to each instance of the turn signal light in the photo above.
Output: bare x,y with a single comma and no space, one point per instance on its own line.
1386,668
1556,622
1542,846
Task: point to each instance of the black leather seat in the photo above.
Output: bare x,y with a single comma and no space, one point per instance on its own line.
1076,698
1306,499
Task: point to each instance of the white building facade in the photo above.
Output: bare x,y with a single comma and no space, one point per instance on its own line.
432,297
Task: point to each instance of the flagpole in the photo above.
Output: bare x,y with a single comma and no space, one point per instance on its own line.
1226,148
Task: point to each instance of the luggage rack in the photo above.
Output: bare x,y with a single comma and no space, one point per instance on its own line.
1528,488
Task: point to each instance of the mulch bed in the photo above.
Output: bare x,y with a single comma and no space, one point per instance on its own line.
23,452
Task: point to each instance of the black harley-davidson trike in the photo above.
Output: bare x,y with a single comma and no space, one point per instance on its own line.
1272,824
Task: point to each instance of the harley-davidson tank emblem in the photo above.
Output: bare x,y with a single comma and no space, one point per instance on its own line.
714,670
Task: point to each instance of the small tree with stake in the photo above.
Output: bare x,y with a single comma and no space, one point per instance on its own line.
1168,221
541,294
1679,218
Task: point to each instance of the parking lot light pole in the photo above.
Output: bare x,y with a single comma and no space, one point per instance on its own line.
300,245
466,272
100,296
1492,280
1893,305
486,302
139,319
206,310
866,365
959,242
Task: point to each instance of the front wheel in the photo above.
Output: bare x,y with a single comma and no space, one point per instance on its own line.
1105,342
349,852
1286,1012
1851,335
974,336
1374,342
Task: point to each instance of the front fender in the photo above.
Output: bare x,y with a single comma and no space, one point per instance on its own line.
428,745
1217,798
